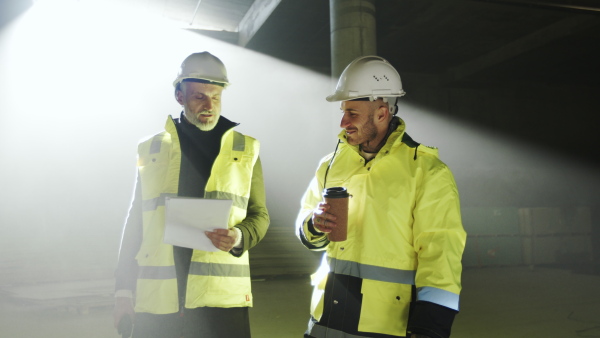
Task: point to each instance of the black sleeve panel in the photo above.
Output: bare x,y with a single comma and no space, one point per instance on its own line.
430,319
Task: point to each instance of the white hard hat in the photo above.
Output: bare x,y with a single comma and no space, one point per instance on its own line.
368,76
202,66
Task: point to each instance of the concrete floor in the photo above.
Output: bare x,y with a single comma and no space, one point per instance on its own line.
496,302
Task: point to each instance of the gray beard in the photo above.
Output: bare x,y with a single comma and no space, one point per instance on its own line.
206,126
201,125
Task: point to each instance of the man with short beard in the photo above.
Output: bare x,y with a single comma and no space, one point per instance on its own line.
180,291
397,271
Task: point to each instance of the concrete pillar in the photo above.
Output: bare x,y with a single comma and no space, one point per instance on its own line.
353,32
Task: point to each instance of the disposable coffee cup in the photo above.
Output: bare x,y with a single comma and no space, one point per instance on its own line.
337,198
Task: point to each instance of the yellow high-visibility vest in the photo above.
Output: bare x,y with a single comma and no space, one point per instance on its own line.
215,279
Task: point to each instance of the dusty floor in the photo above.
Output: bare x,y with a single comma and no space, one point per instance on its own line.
496,302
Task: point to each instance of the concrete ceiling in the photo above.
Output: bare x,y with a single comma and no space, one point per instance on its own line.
533,48
454,42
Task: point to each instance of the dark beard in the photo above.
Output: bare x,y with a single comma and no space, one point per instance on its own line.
370,132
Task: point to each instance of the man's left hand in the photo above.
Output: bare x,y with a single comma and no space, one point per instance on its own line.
222,239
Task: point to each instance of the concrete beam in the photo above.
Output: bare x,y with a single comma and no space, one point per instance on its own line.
584,6
520,46
254,19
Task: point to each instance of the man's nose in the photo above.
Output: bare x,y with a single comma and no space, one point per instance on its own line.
344,122
209,104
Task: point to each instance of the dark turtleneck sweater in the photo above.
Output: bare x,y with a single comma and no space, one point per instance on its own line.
199,149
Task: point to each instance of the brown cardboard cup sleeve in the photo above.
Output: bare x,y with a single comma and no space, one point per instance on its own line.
337,198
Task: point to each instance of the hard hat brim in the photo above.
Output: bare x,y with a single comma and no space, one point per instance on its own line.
209,81
336,97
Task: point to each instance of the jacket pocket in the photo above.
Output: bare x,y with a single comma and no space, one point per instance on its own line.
385,307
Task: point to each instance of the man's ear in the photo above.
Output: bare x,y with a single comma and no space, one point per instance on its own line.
179,96
382,113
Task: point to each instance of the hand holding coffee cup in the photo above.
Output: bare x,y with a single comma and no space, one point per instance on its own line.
322,220
331,216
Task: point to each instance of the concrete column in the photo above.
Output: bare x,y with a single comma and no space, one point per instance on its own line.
353,32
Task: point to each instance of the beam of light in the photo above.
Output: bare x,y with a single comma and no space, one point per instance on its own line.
82,83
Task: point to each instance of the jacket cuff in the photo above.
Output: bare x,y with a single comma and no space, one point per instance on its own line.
310,237
238,242
430,319
238,247
311,228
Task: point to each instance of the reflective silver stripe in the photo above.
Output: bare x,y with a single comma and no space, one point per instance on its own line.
238,201
318,331
156,143
239,142
157,272
221,270
371,271
154,203
438,296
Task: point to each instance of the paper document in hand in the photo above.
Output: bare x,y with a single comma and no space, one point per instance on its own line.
187,218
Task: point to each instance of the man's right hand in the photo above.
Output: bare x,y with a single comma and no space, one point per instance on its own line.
322,220
123,306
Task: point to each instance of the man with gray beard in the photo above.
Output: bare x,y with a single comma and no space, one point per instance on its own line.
172,291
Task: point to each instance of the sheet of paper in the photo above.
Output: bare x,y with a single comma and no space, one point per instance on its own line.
186,219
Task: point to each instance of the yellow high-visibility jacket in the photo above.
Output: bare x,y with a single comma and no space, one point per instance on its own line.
216,279
404,230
